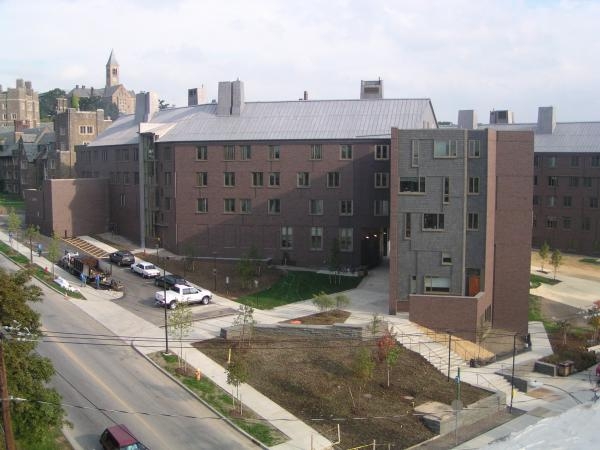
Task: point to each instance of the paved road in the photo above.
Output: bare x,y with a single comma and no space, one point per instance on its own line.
101,379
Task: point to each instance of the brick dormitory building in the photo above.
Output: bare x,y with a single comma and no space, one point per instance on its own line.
374,178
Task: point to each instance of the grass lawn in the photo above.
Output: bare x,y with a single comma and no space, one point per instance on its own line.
535,310
537,280
296,286
8,201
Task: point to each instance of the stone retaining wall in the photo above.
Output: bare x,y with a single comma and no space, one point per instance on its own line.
336,331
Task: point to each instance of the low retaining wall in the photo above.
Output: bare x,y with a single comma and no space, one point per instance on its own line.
446,421
545,368
336,331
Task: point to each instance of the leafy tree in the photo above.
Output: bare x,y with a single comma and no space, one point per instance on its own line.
323,301
341,301
556,260
245,270
53,251
48,103
27,372
162,104
180,322
375,323
388,351
544,252
594,319
32,233
564,326
362,368
74,101
111,110
91,103
14,223
237,373
245,319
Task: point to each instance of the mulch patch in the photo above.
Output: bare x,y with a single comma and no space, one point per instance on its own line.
315,380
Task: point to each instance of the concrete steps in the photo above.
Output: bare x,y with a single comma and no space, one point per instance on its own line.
86,247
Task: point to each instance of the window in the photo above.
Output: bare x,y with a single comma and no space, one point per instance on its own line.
413,284
257,179
586,224
346,238
593,202
381,208
303,179
446,259
473,221
444,149
381,180
535,180
316,151
168,178
536,200
414,161
286,237
412,184
552,201
245,206
125,177
274,152
273,179
202,179
122,200
245,152
573,181
136,178
446,190
551,222
474,148
553,181
202,205
551,161
333,179
345,207
167,202
433,222
136,154
316,207
407,226
229,153
537,161
229,179
104,155
587,181
596,161
382,151
345,151
229,205
473,185
316,238
274,206
567,201
201,153
436,285
574,161
126,154
566,223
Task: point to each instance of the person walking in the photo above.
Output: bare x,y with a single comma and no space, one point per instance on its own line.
82,278
39,249
97,281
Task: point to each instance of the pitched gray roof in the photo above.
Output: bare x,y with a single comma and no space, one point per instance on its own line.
275,121
570,137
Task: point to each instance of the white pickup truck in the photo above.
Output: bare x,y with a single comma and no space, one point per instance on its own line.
181,293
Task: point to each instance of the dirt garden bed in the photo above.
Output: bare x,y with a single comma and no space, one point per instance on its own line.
317,381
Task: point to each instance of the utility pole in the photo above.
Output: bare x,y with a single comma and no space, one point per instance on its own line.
449,349
9,439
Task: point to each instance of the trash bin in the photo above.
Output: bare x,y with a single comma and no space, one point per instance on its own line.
564,368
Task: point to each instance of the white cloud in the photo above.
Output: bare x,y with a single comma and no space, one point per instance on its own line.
461,54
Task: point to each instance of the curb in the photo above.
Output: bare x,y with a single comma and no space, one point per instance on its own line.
193,394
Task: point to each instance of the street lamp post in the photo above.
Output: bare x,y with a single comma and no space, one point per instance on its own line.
214,271
165,297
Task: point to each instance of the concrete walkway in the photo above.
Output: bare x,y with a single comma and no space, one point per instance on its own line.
368,299
572,291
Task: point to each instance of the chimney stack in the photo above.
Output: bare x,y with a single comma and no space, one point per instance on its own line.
146,105
371,89
231,98
546,120
467,119
196,96
503,116
305,95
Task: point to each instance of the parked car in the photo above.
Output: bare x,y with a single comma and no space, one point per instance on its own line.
181,293
118,437
145,269
169,280
122,258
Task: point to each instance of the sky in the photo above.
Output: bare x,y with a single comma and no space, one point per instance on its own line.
462,54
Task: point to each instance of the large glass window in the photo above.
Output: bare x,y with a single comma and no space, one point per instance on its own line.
381,180
345,151
201,178
274,179
436,285
316,238
245,152
229,179
345,207
333,179
202,205
316,207
473,221
444,149
229,153
274,206
382,151
303,179
257,179
433,221
286,237
274,152
229,205
316,151
412,184
346,239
